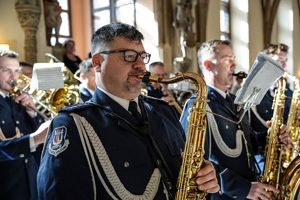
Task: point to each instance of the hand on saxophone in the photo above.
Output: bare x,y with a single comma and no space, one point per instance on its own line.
206,178
261,191
284,136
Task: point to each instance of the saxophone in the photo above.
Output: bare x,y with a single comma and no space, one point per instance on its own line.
193,155
293,125
290,181
273,154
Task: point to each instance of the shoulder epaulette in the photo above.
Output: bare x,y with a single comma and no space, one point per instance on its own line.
153,100
76,107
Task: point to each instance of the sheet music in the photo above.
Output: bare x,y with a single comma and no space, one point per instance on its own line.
47,76
264,72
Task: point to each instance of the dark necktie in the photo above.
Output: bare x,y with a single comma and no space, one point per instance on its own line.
229,102
134,111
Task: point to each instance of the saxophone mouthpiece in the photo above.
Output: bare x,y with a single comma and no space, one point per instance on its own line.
240,74
145,77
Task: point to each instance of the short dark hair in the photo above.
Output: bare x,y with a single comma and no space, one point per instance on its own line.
9,54
106,34
23,63
156,63
85,66
68,41
276,48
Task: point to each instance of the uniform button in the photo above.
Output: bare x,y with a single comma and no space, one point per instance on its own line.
17,122
234,197
226,127
126,164
3,122
21,155
267,111
26,160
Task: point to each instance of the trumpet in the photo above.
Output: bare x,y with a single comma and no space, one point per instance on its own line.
49,102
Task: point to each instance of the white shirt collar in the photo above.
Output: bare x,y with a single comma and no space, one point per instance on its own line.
221,92
3,94
123,102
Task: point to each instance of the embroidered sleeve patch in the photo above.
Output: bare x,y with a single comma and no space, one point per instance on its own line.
59,143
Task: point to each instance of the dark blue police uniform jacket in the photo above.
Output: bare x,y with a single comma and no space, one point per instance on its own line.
85,94
18,168
152,92
265,111
234,174
67,175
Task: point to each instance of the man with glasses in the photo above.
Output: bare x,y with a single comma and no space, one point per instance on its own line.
18,168
228,143
119,145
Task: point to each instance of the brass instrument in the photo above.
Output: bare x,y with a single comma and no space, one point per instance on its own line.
193,155
49,102
273,153
293,125
291,181
175,104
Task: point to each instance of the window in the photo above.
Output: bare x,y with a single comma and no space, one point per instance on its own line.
108,11
58,23
130,12
225,20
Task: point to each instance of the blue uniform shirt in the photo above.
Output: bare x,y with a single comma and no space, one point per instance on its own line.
235,174
65,170
18,167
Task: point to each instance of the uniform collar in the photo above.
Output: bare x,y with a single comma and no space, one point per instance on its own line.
123,102
221,92
3,94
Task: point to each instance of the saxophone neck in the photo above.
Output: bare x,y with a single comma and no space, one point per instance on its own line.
194,77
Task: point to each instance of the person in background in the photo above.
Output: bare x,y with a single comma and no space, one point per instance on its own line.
71,60
127,146
228,144
18,119
87,79
264,112
26,68
158,90
23,146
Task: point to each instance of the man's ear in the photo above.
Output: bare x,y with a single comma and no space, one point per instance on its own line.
207,65
97,60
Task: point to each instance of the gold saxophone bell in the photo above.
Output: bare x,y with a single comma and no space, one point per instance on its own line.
193,155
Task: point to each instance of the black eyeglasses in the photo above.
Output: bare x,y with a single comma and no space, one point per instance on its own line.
272,48
130,55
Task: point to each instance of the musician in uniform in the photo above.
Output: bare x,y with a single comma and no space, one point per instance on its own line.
18,168
159,90
228,143
264,112
87,78
100,150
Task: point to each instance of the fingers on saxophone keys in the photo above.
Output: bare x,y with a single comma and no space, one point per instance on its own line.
206,179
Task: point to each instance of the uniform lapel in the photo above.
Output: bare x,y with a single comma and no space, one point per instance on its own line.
4,104
102,99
